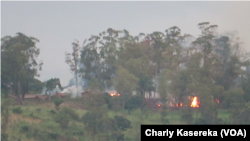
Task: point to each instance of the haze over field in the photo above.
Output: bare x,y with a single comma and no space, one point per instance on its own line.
97,71
58,24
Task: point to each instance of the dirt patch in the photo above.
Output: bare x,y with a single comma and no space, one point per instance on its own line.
17,118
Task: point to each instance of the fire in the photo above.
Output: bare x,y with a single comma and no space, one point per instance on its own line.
176,105
217,101
159,105
194,102
113,94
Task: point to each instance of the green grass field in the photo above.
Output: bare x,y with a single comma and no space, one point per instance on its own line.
38,117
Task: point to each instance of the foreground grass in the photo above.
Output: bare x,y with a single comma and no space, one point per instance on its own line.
40,117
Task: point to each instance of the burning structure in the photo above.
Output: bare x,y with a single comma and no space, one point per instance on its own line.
195,103
153,99
114,94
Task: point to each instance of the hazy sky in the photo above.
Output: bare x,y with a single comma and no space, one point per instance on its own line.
58,24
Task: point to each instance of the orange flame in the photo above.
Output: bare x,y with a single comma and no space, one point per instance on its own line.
113,94
159,105
176,105
194,102
217,101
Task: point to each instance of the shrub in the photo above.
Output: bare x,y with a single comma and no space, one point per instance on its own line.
187,115
122,123
24,127
108,100
57,101
62,119
71,113
38,110
118,136
53,136
17,110
163,117
31,114
64,115
133,103
52,112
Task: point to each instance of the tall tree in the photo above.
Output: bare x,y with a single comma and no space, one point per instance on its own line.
19,62
99,56
125,82
74,61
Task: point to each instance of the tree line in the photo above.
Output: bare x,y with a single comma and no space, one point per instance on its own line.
176,66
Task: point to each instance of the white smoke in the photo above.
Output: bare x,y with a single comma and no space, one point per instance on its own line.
186,43
56,90
73,91
43,91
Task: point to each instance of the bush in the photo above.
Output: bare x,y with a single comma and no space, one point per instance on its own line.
118,136
122,123
70,112
38,110
57,101
24,127
53,136
108,100
133,103
163,117
17,110
52,112
92,120
97,101
62,119
187,115
64,115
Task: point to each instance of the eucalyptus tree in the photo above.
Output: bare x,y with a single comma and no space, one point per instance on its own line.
172,55
137,58
205,67
125,83
204,42
74,61
231,60
19,62
99,56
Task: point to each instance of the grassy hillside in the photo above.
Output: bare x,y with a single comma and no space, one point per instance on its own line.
37,121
